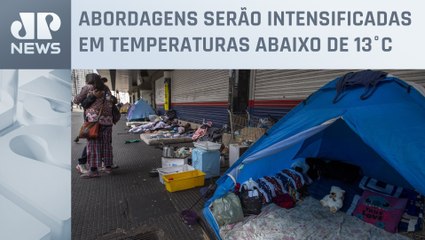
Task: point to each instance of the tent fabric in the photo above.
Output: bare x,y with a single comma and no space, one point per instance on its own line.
139,111
286,143
383,134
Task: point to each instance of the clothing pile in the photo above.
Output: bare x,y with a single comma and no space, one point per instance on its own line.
148,127
160,123
202,130
183,152
213,134
287,181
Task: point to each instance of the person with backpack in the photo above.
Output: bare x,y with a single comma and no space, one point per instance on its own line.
99,149
84,102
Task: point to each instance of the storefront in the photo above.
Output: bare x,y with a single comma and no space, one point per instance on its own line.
276,92
199,95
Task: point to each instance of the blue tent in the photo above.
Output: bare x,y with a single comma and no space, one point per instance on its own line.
140,111
384,134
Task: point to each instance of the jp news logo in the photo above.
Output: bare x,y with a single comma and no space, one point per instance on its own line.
33,33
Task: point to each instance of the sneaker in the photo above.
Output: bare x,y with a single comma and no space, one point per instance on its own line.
114,166
81,168
90,174
107,170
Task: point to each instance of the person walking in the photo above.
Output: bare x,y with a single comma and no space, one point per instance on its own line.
84,92
99,149
114,102
82,96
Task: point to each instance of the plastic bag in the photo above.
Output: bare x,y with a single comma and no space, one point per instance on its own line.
251,202
227,209
250,198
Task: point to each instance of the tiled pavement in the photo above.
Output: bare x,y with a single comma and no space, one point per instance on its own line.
128,202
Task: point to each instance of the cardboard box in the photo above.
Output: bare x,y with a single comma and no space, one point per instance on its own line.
226,139
252,134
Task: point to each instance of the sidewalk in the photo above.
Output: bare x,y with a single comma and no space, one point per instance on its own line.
128,202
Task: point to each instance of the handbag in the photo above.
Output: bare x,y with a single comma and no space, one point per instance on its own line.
89,130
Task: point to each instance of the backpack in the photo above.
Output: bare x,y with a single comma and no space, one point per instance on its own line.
116,115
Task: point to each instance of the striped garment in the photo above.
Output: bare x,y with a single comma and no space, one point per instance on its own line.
100,149
286,181
277,187
294,175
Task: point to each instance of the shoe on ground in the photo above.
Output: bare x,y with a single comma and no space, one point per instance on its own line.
107,170
90,174
81,168
114,166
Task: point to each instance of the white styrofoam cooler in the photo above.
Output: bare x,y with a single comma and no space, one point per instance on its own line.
207,145
172,162
171,170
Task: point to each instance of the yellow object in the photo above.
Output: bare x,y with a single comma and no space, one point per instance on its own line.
184,180
166,96
124,108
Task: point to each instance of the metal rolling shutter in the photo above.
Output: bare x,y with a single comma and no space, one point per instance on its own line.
416,76
299,84
200,94
285,88
291,84
276,92
199,86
